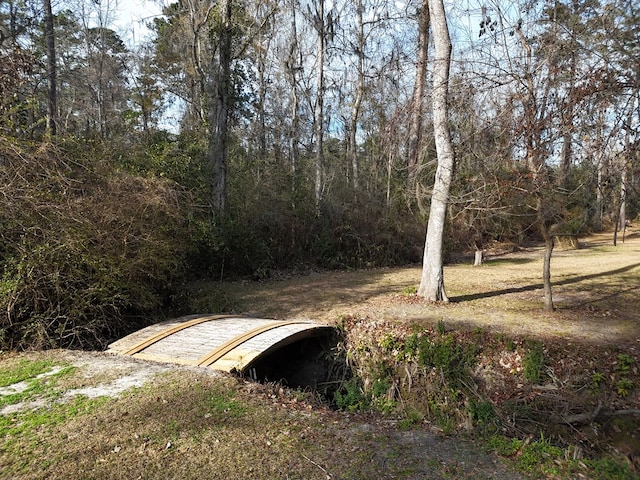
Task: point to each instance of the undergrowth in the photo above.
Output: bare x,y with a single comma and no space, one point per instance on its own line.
427,369
540,458
457,381
87,251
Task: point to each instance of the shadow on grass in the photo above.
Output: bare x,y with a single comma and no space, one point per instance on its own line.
299,295
496,262
538,286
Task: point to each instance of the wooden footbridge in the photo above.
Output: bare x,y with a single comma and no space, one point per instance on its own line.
223,342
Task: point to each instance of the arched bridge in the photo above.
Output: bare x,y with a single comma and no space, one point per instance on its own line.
223,342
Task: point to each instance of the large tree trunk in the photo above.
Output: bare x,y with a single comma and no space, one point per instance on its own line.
432,282
52,96
417,102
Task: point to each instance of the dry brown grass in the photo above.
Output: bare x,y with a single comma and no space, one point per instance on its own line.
596,293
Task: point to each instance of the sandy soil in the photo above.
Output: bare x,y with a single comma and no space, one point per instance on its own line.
102,375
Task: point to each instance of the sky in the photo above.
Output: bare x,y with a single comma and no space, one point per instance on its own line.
130,22
132,16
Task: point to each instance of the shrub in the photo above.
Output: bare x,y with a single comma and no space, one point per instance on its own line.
534,361
351,396
452,358
87,252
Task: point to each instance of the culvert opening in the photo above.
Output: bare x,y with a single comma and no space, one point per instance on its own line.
313,363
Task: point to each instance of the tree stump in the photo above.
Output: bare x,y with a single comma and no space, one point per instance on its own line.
479,256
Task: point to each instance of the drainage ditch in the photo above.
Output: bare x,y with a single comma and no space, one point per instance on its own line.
317,364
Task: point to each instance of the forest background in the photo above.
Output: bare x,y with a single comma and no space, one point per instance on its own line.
301,139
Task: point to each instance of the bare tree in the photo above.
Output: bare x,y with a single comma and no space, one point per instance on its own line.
52,109
103,84
219,110
432,281
320,24
417,102
352,148
534,118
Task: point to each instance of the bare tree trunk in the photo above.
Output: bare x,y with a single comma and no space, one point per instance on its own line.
52,96
319,22
432,281
294,63
621,220
260,103
357,102
417,102
599,196
546,271
295,128
218,143
478,257
600,169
